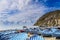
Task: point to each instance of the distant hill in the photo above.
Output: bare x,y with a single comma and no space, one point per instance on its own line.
49,19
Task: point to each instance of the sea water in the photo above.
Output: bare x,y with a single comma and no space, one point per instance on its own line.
20,36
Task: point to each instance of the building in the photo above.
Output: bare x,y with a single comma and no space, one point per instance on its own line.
49,19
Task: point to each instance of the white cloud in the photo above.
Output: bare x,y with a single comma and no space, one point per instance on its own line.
28,14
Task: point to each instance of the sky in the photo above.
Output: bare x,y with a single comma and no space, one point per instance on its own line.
18,13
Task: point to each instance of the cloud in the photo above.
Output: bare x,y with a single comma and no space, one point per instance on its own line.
15,13
27,15
22,13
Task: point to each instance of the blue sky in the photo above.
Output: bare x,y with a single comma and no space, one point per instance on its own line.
15,13
53,3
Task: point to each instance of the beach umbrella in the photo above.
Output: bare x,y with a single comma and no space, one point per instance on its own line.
47,32
36,37
19,36
56,33
54,29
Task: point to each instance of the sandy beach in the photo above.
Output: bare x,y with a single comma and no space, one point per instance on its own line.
50,38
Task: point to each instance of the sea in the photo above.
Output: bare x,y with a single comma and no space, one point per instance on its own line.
6,35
